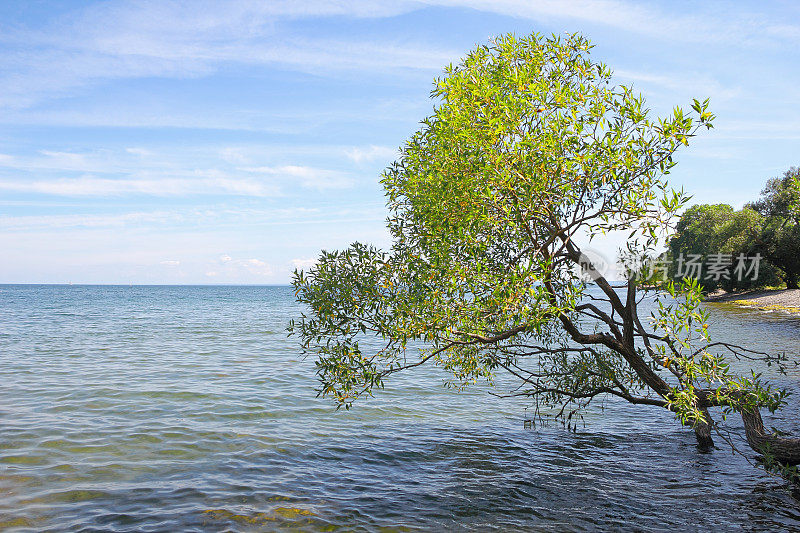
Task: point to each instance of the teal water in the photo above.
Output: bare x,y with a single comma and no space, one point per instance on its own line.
188,409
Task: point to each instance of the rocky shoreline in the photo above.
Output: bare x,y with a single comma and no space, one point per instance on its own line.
786,300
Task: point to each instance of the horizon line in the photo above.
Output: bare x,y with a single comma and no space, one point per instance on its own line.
149,284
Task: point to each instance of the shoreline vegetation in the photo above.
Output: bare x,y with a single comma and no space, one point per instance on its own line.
781,300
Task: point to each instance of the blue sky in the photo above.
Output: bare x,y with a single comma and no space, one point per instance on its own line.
228,142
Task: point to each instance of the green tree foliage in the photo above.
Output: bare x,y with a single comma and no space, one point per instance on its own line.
780,238
769,227
530,146
709,233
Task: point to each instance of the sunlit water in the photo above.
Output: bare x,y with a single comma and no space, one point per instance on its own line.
187,408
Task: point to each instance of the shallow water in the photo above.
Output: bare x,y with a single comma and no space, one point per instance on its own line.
187,408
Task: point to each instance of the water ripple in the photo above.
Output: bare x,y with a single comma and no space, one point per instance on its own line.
186,408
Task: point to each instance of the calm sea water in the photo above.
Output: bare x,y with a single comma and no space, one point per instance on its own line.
188,409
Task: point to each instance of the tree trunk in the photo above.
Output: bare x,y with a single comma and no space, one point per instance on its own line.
791,279
785,450
702,430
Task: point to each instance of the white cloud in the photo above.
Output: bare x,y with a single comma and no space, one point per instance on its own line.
694,83
167,112
232,267
781,129
94,161
116,40
91,186
710,24
29,222
313,178
233,155
139,171
197,217
255,266
139,151
170,263
784,31
304,264
371,153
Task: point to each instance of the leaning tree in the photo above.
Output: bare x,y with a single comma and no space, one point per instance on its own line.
530,150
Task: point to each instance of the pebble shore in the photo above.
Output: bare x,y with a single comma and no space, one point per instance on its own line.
787,300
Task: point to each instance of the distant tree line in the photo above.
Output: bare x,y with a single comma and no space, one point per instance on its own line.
726,242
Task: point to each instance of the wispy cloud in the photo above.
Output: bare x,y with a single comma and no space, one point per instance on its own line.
304,263
214,216
776,129
371,153
179,114
116,40
710,23
140,171
309,177
139,151
695,83
50,222
90,186
148,140
229,266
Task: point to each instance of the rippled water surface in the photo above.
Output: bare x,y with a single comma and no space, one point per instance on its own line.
187,408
